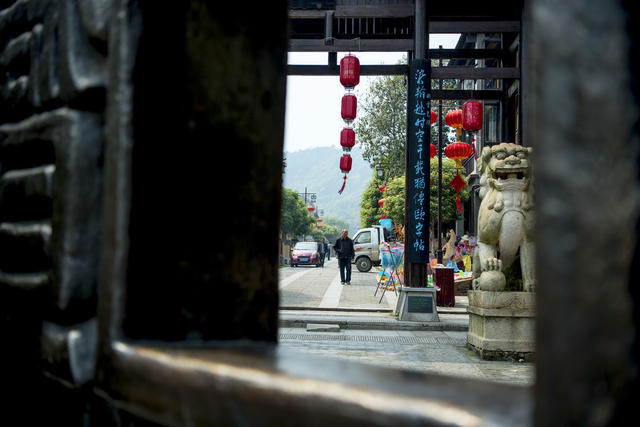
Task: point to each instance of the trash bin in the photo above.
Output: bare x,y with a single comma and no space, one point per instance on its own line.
443,277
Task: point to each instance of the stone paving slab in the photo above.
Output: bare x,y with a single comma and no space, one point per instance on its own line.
369,332
440,352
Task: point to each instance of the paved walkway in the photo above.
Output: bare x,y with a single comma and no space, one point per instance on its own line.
363,328
320,287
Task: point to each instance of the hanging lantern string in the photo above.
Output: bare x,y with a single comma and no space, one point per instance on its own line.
344,183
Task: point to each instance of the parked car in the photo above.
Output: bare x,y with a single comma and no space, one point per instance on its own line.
305,253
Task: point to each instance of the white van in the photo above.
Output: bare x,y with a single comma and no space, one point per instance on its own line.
366,243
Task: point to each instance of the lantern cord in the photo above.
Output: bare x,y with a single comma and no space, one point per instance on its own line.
344,183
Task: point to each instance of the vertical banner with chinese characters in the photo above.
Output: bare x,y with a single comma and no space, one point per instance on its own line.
418,170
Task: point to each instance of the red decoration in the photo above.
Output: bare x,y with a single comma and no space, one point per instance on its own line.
345,167
381,202
347,139
311,208
433,151
382,188
383,216
472,116
319,219
458,151
454,120
345,163
349,71
349,78
434,117
349,107
458,184
319,226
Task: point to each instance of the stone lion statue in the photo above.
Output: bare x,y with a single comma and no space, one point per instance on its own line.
505,219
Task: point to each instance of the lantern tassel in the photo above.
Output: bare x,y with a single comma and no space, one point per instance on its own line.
475,154
458,202
343,184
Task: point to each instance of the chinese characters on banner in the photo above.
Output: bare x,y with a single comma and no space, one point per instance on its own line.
418,167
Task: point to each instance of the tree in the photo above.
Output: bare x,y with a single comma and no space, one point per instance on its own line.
370,211
381,128
332,228
295,216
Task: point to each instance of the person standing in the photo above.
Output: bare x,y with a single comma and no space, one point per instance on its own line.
322,251
326,250
345,253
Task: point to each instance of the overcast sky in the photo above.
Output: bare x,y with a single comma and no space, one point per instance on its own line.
313,103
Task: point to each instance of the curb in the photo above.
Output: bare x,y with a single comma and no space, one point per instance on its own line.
393,325
427,326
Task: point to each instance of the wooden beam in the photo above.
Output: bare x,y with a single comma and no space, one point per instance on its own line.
307,14
467,54
400,69
357,45
489,95
475,73
365,70
374,11
474,26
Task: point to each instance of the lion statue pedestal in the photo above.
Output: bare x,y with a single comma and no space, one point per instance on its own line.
502,302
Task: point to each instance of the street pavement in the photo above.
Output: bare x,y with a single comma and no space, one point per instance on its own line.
320,316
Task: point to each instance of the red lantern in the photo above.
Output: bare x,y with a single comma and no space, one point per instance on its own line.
458,151
319,219
434,117
381,202
349,71
382,188
433,151
345,163
311,208
454,120
383,216
472,115
347,139
345,167
349,107
319,226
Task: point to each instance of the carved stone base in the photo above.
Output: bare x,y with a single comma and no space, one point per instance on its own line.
502,325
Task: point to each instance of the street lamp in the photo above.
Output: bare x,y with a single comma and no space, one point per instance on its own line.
380,171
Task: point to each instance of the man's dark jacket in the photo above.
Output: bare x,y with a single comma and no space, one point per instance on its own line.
344,248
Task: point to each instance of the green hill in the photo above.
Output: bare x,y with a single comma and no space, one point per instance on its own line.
317,170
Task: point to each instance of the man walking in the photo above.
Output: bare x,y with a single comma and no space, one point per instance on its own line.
327,252
345,254
322,251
